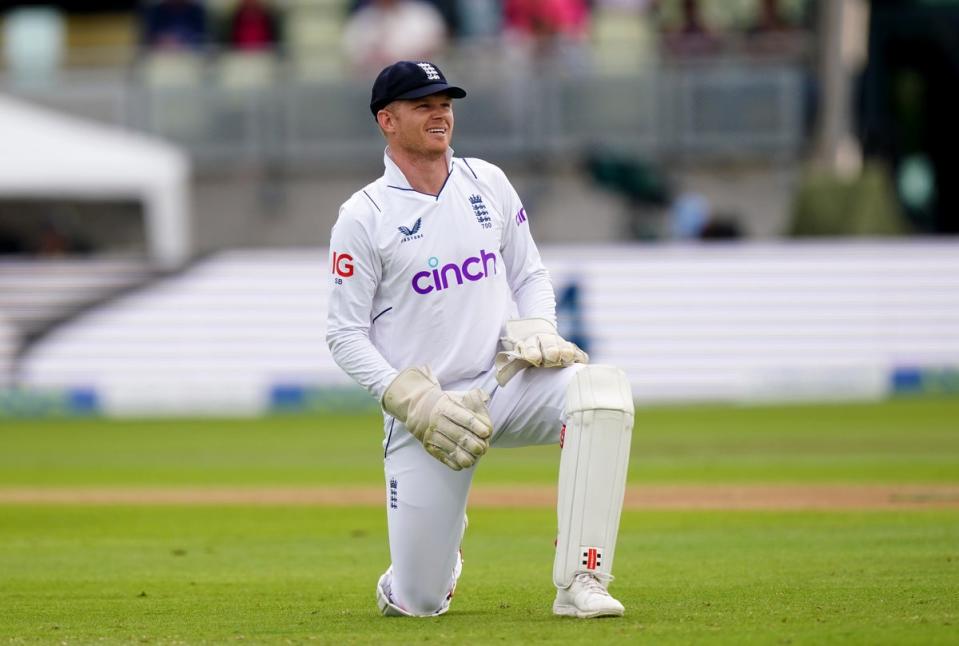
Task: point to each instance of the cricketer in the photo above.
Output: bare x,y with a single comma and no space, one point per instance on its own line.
441,308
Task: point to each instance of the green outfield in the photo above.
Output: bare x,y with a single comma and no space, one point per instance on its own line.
165,574
899,441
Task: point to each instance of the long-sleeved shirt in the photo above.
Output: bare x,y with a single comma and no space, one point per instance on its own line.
430,279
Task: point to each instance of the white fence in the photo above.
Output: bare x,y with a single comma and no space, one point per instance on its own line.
245,331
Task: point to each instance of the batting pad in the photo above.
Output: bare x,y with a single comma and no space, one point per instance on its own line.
592,472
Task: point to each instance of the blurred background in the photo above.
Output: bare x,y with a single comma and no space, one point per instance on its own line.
738,200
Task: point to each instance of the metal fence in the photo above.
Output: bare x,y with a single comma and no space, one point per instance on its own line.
711,109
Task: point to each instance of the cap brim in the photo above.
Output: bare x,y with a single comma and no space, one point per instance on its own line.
435,88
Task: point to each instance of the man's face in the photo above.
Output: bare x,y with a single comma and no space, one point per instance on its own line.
420,126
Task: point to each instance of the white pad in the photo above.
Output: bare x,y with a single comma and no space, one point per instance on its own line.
592,472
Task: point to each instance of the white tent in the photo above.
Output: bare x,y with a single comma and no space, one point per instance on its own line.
44,153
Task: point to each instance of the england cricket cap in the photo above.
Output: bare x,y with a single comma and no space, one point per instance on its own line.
410,80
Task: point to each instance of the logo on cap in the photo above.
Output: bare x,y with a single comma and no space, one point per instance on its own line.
431,73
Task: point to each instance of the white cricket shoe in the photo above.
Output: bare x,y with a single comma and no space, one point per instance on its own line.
389,608
384,596
585,598
384,593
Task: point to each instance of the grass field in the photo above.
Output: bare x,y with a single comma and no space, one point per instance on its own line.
122,573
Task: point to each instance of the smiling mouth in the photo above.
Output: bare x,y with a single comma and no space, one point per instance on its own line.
437,131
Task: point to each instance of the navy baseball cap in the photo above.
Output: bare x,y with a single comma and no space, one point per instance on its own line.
410,80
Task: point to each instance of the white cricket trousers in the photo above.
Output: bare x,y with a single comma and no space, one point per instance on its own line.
426,500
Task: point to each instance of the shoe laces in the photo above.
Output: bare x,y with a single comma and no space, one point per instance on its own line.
592,583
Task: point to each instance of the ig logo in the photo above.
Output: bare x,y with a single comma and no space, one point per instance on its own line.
342,266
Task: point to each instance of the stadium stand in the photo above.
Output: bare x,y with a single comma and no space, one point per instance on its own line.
244,329
213,338
36,294
8,350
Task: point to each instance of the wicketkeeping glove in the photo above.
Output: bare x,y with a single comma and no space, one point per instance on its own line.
454,427
534,343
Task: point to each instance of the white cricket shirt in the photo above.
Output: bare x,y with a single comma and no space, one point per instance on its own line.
431,279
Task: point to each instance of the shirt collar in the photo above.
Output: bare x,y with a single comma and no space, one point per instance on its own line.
395,177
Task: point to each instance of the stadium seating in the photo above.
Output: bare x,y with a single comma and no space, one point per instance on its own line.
35,294
687,323
8,350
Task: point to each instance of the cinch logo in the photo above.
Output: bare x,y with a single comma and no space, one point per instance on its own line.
520,217
438,278
342,264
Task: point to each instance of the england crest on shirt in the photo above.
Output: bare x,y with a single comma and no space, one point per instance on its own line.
479,210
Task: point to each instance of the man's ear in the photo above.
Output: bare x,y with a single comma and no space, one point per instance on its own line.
386,120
